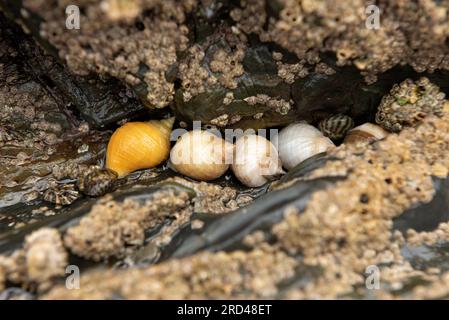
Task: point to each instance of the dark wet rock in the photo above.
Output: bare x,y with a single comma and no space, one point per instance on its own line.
227,233
427,217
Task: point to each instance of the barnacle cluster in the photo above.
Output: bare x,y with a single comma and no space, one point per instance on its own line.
42,259
112,229
228,65
408,103
138,43
225,120
217,60
289,72
193,76
45,255
207,275
213,199
70,169
137,51
409,32
278,105
29,117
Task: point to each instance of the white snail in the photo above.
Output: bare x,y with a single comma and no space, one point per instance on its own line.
201,155
298,142
256,161
367,132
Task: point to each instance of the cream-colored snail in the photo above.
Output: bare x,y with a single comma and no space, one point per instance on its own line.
201,155
256,161
139,145
367,132
298,142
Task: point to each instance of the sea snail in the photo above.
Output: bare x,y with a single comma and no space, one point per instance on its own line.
201,155
335,127
97,181
256,161
367,132
139,145
298,142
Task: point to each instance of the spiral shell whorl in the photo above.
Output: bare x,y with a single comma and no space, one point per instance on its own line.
165,125
335,127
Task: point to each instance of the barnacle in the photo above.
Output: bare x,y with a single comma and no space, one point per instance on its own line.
61,194
408,103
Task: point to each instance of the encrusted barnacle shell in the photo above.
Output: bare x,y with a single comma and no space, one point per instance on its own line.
408,103
335,127
121,9
139,145
45,255
256,161
96,182
299,142
201,155
366,133
64,194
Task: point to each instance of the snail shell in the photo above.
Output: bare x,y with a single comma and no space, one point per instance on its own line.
256,161
139,145
298,142
96,182
367,132
335,127
201,155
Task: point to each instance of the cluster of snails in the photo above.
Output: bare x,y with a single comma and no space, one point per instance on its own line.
340,126
203,156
